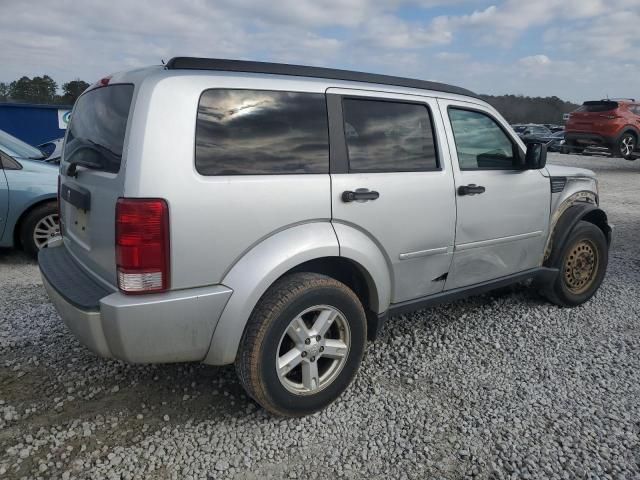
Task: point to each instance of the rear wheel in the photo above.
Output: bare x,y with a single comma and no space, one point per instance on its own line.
582,266
303,344
627,145
39,227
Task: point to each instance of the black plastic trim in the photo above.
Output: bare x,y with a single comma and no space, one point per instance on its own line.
79,197
70,280
227,65
338,159
541,273
565,225
558,184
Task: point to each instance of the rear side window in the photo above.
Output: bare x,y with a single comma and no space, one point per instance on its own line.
594,107
252,132
98,126
384,136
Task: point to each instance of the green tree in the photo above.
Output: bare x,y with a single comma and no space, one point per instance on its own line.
72,90
35,90
4,92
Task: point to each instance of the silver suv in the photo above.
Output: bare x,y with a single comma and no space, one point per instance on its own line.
273,216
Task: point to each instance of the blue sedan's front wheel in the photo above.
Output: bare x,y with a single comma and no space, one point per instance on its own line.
39,227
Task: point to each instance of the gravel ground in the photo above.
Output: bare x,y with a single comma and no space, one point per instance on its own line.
499,386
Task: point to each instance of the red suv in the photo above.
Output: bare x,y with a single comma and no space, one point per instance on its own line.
614,124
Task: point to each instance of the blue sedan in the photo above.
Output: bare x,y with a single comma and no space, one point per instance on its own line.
28,196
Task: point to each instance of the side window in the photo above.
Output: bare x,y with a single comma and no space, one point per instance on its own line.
385,136
252,132
480,142
8,163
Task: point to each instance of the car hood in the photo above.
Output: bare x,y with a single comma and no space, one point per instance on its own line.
39,166
560,171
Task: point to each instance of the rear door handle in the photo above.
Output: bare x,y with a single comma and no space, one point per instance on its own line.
471,189
360,195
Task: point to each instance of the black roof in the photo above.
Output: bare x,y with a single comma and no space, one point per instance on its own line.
194,63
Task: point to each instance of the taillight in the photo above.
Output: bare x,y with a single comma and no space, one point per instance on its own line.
142,245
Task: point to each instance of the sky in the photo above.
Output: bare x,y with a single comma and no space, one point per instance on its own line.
574,49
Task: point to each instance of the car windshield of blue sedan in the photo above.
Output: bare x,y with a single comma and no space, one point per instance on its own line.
17,148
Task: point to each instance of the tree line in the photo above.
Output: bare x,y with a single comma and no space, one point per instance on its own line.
515,108
42,89
521,109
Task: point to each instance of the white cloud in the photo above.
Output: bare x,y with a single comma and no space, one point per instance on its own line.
534,61
585,46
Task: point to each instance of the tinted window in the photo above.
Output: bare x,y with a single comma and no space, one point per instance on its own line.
245,132
480,142
594,107
388,136
98,126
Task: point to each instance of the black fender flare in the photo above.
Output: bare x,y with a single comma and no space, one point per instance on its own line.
566,223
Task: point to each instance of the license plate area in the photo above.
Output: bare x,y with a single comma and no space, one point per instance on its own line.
76,213
76,222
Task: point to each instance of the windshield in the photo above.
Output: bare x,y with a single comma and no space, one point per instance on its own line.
17,148
98,126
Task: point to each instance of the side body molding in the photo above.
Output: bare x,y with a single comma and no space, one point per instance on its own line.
256,271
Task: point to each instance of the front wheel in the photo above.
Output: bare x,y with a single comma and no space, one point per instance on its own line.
302,345
582,264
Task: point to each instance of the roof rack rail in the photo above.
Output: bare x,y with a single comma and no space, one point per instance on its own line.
195,63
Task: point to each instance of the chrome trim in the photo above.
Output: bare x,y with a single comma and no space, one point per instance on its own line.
498,241
423,253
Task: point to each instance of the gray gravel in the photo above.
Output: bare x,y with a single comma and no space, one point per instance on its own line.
500,386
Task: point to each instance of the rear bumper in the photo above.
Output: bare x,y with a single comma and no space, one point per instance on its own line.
585,139
175,326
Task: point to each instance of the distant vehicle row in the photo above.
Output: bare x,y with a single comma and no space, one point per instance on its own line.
541,133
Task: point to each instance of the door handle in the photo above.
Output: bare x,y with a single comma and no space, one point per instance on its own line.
471,189
360,195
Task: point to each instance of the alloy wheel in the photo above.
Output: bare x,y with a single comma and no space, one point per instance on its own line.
47,229
627,146
313,350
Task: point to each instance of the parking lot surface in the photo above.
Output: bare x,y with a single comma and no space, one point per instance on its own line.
499,386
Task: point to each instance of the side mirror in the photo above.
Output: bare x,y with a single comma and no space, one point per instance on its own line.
536,157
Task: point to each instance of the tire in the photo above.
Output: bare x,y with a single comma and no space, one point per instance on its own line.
573,285
267,337
626,146
40,225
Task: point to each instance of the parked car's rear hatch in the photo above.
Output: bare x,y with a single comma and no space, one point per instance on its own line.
591,115
95,143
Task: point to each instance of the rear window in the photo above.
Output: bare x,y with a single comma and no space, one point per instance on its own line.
98,126
594,107
253,132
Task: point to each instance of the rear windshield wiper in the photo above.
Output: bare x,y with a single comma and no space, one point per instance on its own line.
72,167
